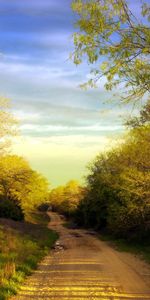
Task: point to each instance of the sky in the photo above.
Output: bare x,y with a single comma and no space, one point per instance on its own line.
62,127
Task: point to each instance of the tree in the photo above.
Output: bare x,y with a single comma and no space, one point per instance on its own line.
72,195
56,197
65,199
36,191
7,125
118,188
20,184
15,173
14,176
142,119
116,43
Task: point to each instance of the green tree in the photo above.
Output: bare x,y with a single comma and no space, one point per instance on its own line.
15,173
36,191
65,199
20,184
118,188
116,43
56,197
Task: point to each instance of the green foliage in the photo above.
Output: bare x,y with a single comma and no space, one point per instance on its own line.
118,189
21,185
43,207
65,199
123,245
10,209
37,217
116,43
37,191
21,188
17,239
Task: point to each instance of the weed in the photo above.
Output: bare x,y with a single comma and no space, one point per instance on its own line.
22,246
125,246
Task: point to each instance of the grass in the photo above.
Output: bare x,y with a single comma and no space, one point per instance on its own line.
38,217
140,249
66,225
123,245
19,238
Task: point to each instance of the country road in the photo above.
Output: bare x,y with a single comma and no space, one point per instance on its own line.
83,267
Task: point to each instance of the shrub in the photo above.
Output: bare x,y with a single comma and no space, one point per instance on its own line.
10,209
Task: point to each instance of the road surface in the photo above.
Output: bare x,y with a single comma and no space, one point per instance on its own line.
83,267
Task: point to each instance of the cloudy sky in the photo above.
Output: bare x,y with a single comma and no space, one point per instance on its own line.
62,127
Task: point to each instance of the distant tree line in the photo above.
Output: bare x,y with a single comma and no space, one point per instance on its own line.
65,199
116,196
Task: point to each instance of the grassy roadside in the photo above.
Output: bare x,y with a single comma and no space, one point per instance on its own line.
122,245
38,218
22,246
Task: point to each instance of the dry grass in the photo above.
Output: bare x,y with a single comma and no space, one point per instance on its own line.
17,239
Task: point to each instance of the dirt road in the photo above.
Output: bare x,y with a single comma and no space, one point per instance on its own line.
82,267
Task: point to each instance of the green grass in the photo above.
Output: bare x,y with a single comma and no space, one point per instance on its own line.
66,225
123,245
37,217
22,246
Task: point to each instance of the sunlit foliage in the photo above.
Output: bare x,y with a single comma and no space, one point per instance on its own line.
118,188
116,43
22,246
65,199
20,184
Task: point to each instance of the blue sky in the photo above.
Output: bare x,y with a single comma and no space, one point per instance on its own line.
62,127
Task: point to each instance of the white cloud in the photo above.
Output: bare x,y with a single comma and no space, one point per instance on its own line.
58,128
31,71
26,117
44,75
62,146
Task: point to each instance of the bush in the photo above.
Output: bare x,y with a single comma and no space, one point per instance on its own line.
43,207
118,189
10,209
22,246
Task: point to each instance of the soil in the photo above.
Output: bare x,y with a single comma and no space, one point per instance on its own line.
82,267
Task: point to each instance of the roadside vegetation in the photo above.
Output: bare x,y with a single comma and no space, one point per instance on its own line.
114,40
122,245
22,246
118,189
115,200
65,199
24,236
